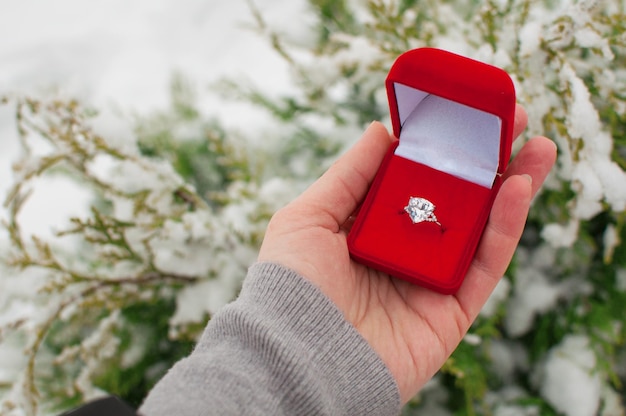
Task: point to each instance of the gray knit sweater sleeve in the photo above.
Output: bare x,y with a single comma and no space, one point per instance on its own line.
282,348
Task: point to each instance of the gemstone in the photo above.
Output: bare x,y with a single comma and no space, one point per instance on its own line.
420,209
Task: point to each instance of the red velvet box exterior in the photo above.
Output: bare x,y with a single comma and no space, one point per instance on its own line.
472,102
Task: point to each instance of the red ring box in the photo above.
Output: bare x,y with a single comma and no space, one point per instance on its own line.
454,118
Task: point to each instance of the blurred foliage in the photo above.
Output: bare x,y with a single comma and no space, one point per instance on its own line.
356,44
200,150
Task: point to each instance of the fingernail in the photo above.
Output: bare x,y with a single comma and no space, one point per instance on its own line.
528,178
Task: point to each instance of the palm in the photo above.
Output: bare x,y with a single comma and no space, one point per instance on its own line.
395,317
413,329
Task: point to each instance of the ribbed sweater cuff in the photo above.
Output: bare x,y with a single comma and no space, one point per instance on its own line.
282,348
316,348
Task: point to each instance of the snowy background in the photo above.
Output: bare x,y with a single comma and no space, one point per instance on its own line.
119,56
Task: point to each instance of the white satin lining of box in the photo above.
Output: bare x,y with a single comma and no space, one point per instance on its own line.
448,136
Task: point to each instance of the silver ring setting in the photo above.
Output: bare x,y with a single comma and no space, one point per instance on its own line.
421,210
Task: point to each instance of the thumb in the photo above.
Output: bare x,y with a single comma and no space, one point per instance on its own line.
337,193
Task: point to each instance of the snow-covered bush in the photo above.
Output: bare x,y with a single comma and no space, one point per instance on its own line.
116,297
178,212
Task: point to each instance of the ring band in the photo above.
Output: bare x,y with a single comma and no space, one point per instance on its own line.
421,210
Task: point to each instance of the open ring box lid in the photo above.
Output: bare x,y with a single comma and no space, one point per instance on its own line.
454,119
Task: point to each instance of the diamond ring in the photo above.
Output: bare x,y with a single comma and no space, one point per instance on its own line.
420,210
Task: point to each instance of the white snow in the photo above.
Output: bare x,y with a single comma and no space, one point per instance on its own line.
569,382
533,295
530,37
561,235
534,291
611,241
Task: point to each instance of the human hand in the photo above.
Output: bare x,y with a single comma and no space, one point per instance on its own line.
413,329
